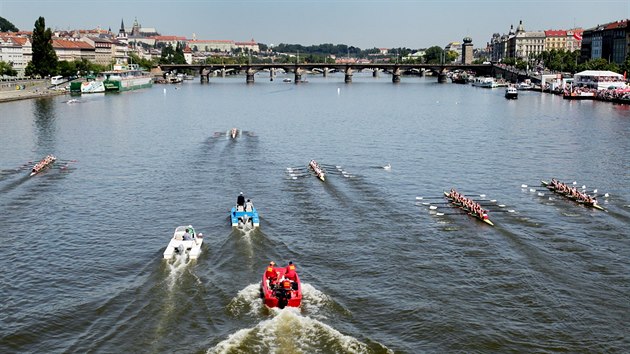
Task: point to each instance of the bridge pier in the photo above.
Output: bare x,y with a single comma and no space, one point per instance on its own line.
375,72
249,75
348,77
442,76
396,75
223,72
204,75
325,73
298,75
272,73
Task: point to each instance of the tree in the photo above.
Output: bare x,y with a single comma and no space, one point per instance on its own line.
7,69
44,61
451,56
625,66
172,56
433,55
6,26
599,64
143,63
66,68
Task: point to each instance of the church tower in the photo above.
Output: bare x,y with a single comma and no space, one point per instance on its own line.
122,34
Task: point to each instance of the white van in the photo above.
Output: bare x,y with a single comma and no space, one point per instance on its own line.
57,80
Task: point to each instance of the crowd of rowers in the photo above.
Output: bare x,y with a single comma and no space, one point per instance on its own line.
43,163
315,166
573,192
472,206
286,282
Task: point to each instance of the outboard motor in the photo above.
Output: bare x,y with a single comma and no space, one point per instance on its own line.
180,248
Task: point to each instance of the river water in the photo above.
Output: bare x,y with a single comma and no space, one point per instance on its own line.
82,269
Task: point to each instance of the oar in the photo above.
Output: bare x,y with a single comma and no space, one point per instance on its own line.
431,197
582,189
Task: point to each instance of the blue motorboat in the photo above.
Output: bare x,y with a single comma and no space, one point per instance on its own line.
244,216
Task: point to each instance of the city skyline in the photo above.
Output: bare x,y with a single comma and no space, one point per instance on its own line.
364,24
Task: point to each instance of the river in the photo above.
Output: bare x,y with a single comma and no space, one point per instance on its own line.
381,272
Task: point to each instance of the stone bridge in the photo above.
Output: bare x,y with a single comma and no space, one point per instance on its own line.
395,69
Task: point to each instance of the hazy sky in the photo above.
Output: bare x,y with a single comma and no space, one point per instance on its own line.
360,23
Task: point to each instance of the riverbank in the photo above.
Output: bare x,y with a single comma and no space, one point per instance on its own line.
14,91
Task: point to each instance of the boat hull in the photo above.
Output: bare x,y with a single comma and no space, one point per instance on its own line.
591,205
487,221
280,298
239,218
120,85
177,245
44,167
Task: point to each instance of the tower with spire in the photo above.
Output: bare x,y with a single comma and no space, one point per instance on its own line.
122,34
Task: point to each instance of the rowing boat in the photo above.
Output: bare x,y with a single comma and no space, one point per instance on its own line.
592,205
318,170
459,205
43,164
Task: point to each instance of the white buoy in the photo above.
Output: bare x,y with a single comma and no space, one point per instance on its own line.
338,90
165,91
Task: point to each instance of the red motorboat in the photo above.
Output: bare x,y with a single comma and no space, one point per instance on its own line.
280,291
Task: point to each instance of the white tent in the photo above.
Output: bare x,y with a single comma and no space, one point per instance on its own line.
600,79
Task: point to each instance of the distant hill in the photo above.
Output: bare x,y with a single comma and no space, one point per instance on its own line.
6,26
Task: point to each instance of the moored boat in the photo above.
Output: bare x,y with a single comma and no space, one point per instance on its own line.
43,164
486,82
578,95
511,92
592,204
126,77
319,172
92,87
525,85
185,239
281,287
483,218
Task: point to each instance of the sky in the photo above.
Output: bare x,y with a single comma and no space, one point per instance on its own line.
365,24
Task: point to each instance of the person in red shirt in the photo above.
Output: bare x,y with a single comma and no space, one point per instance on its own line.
290,272
271,274
286,284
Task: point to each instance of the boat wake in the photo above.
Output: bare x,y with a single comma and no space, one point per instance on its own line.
248,302
176,268
290,332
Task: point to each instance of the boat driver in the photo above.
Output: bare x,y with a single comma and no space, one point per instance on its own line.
240,201
187,236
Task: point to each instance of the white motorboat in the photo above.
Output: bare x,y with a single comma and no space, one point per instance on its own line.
487,82
511,92
185,239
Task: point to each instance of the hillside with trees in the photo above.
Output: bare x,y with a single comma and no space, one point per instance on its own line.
6,26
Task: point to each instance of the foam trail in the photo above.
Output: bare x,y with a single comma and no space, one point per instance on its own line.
290,332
